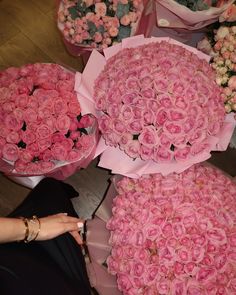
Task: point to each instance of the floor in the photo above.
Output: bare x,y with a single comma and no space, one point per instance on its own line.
28,34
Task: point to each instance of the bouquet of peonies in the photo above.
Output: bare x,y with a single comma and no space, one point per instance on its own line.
175,234
89,24
188,14
42,130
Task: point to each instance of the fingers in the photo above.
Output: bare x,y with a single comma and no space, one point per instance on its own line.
65,218
77,237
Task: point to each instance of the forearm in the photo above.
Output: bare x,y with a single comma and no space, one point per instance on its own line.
11,229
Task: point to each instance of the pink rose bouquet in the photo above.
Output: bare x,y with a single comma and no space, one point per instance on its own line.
159,102
41,126
98,24
174,235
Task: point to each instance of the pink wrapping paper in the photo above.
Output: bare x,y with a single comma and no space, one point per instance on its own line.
97,237
174,15
113,158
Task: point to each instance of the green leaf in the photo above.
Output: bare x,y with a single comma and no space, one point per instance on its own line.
122,9
83,130
73,12
79,117
81,7
92,28
124,32
21,144
101,29
23,126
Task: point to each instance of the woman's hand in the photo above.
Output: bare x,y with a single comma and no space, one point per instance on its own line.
55,225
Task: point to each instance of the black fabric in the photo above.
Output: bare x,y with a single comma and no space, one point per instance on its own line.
50,267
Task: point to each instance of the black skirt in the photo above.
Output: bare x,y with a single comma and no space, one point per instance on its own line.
55,266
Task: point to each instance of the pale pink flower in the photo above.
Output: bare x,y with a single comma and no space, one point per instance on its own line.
100,9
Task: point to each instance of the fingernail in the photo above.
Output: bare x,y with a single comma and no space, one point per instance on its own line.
65,213
80,224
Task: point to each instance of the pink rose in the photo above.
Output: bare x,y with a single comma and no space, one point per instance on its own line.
74,155
173,129
163,286
47,155
12,123
114,110
85,142
44,143
123,282
182,154
146,153
46,166
132,148
119,126
13,137
43,131
161,117
74,107
126,113
63,123
60,106
20,166
135,126
161,154
59,152
100,9
22,100
129,98
28,136
67,143
148,136
148,117
25,155
30,115
10,152
87,121
57,137
104,124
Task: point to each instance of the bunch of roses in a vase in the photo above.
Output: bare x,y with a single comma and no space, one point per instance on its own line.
98,24
159,102
175,234
41,125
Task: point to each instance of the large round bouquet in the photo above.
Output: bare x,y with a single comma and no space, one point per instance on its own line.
159,102
41,126
98,24
175,234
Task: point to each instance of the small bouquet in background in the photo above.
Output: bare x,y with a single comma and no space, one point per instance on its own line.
189,15
98,24
198,5
41,126
174,234
220,43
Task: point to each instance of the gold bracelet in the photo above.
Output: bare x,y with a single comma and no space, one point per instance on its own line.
39,227
25,220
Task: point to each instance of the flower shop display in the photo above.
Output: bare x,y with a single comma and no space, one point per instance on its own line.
189,15
86,25
42,131
175,234
159,108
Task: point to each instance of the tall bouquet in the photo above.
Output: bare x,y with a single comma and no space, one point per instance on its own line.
42,130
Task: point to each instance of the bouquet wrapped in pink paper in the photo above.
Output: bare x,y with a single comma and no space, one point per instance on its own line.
169,235
189,15
42,131
89,24
159,108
